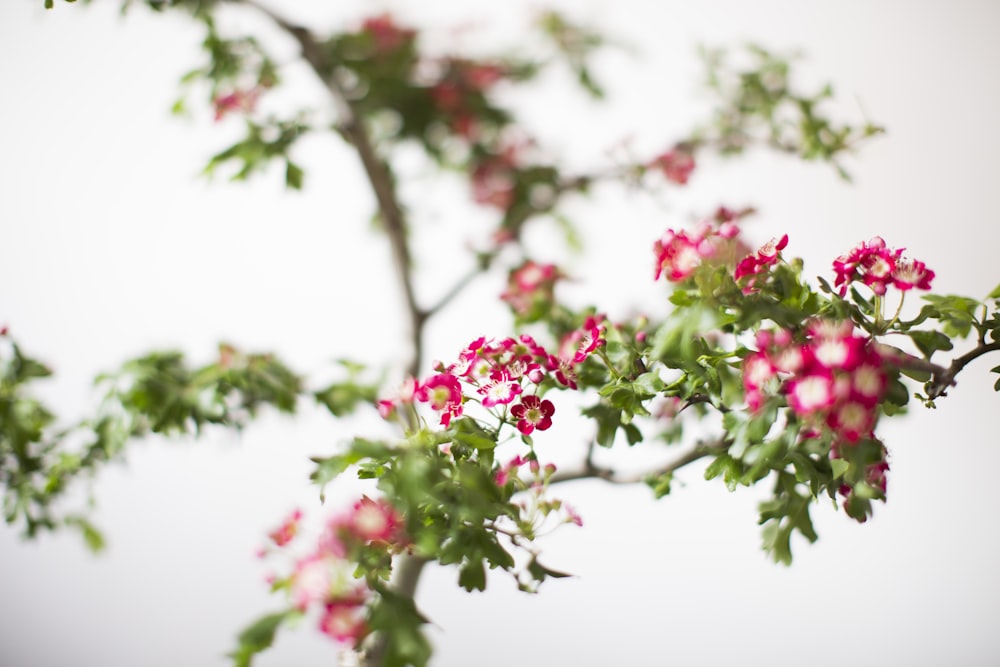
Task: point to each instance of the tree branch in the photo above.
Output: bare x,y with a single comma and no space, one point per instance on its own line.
591,471
376,169
941,378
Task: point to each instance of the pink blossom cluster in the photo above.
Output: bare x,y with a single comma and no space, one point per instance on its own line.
324,578
387,36
678,254
237,101
752,268
494,179
833,379
500,373
538,509
529,285
453,93
676,164
879,267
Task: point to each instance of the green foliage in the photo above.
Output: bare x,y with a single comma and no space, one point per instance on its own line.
787,513
157,393
259,636
459,505
576,44
263,144
398,619
343,398
759,105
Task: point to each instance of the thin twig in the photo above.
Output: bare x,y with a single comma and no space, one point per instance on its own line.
590,471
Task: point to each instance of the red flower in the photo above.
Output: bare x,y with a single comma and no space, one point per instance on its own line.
533,413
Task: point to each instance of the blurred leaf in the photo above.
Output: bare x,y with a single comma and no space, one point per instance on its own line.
259,636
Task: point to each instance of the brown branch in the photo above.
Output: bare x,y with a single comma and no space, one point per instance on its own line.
380,179
942,381
591,471
376,169
941,378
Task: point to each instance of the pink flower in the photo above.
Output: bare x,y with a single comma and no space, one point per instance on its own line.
579,344
533,413
500,389
404,396
495,177
875,265
676,164
868,383
530,284
852,420
571,515
374,521
386,34
563,371
238,101
343,622
811,393
318,578
753,265
910,273
444,393
503,475
677,256
284,533
757,371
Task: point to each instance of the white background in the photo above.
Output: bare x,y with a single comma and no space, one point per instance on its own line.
112,245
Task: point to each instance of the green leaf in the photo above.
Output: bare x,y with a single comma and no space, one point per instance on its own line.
729,468
330,467
343,398
259,636
539,572
650,383
839,467
472,575
660,484
957,313
467,431
293,176
995,294
397,620
929,342
91,535
608,420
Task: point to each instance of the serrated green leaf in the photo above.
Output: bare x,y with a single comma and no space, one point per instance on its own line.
649,383
839,467
472,575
